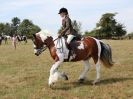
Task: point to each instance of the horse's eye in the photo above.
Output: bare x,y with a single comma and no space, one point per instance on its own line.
34,46
33,40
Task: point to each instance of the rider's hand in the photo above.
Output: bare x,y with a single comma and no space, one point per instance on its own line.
59,36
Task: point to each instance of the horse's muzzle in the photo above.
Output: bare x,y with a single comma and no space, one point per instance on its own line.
36,54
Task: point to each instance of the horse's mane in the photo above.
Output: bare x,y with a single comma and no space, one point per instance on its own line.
44,33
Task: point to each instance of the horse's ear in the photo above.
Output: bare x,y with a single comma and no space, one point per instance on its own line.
34,35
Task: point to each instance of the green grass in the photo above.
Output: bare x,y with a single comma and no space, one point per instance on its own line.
25,76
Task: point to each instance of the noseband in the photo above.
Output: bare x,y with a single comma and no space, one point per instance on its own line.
42,49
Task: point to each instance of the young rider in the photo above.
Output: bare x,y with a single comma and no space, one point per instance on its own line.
67,29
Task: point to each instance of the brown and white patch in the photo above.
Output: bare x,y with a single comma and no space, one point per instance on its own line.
81,46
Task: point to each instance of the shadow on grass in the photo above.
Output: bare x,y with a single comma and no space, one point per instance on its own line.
113,80
71,85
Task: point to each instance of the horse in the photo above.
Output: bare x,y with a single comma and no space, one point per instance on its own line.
22,38
81,50
1,39
5,38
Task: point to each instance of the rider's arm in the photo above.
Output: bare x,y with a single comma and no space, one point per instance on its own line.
68,24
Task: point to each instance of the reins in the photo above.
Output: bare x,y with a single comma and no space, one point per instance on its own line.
44,48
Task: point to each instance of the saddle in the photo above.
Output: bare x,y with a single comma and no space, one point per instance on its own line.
72,46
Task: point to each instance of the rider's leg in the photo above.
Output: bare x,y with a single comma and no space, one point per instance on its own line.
69,38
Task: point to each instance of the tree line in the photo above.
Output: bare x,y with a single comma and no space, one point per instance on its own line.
108,28
16,26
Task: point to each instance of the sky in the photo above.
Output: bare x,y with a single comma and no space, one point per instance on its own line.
44,13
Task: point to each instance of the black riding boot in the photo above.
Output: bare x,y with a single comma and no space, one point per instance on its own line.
68,46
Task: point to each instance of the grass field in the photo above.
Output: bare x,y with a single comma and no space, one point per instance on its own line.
24,75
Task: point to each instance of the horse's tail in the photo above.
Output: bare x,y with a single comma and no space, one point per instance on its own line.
106,55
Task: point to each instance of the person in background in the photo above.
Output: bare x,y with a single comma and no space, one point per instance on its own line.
14,41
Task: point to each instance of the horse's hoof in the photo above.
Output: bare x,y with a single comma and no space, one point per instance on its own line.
95,81
50,85
81,80
65,76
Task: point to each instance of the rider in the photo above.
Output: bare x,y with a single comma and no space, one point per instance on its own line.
67,29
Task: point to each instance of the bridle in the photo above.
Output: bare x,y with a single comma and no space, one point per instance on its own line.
42,49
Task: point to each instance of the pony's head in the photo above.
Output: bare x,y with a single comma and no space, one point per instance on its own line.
41,41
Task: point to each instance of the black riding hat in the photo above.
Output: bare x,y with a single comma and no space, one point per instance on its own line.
63,10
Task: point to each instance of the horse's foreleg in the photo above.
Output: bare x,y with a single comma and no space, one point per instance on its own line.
54,73
97,72
85,70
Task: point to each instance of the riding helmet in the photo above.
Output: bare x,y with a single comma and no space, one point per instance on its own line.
63,10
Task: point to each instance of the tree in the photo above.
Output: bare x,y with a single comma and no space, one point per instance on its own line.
119,30
24,27
77,26
7,29
107,24
28,28
1,28
91,33
130,35
108,27
15,21
14,25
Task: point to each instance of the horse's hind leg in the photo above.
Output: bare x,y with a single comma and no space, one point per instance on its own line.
85,70
97,72
96,58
